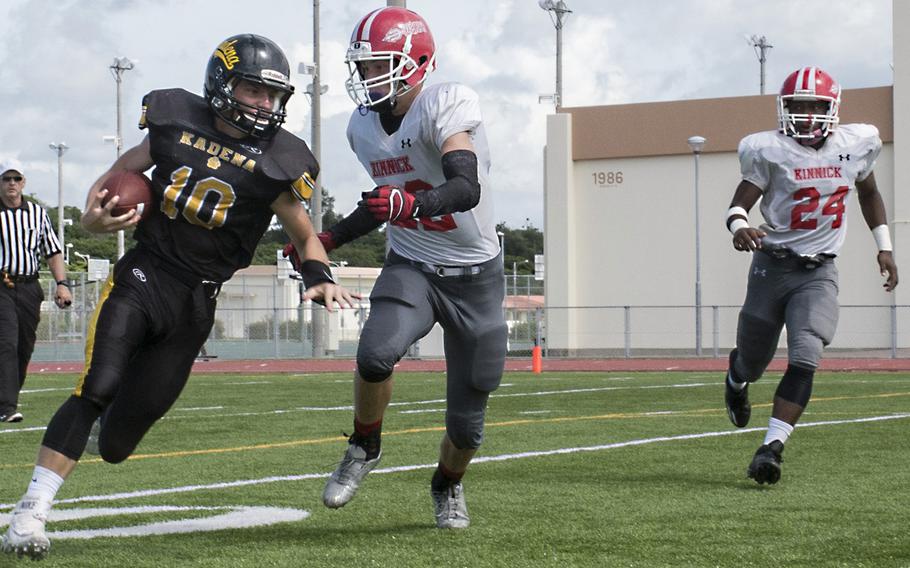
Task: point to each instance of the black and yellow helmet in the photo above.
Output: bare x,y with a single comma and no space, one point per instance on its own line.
255,59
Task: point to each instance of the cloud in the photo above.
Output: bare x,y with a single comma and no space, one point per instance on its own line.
55,83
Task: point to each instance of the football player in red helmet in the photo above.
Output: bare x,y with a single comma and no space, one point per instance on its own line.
426,150
803,173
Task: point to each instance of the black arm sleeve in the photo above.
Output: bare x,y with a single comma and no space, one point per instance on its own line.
357,224
461,190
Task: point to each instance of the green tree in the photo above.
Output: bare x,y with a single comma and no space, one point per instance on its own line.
368,250
520,246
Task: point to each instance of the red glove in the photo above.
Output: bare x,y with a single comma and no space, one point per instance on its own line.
389,203
328,243
290,253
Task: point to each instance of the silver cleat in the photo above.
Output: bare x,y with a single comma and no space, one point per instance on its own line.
344,481
91,446
451,509
25,536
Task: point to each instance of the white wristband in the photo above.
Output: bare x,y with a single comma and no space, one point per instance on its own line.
882,238
737,224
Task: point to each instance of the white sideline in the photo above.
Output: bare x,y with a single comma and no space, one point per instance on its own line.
483,459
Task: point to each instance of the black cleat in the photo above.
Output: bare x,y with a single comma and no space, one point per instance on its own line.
765,466
738,407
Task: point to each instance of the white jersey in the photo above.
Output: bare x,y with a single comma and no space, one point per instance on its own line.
411,158
804,189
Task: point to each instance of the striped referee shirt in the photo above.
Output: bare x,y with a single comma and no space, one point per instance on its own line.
24,232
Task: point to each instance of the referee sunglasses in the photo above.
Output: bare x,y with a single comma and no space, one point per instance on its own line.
13,178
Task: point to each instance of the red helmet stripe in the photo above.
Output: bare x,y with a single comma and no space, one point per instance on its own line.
367,23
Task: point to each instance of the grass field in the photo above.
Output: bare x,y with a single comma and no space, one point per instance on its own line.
578,469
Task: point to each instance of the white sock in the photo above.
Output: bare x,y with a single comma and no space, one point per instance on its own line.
45,484
738,387
778,430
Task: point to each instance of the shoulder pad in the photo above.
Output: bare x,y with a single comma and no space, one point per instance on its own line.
288,159
170,107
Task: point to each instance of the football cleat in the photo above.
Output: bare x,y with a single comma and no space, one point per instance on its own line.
11,417
91,446
738,407
765,466
25,535
344,481
451,509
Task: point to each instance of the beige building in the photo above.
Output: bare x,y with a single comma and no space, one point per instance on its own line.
257,295
620,219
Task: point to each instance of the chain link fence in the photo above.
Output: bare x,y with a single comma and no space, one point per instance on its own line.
263,318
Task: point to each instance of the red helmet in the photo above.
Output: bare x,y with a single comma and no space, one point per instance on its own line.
808,84
399,37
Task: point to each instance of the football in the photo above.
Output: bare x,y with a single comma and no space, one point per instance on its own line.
135,191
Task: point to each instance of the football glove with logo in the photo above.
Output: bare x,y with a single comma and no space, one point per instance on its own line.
391,204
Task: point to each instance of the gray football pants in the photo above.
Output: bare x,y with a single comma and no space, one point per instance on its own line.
405,304
784,292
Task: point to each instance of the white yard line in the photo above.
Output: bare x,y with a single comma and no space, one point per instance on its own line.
482,459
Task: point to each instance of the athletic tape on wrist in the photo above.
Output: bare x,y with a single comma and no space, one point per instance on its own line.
882,238
737,224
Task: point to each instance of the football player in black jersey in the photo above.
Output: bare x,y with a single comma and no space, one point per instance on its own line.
223,167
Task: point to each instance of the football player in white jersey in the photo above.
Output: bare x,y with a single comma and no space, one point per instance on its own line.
803,173
425,148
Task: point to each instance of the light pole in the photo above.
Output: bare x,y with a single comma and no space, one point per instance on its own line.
761,46
315,90
558,12
696,143
118,67
502,251
60,149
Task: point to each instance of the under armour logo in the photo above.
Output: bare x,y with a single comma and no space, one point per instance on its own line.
406,142
139,275
760,272
844,157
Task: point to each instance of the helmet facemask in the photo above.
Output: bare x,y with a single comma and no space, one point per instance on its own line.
253,121
382,92
807,128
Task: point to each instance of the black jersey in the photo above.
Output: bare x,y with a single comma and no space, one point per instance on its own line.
214,192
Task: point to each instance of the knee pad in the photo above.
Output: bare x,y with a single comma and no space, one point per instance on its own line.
68,430
374,370
796,385
112,453
465,429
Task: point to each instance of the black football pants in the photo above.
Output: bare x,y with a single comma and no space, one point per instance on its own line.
20,309
147,331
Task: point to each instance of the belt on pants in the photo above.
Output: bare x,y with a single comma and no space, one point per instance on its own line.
10,280
444,271
803,261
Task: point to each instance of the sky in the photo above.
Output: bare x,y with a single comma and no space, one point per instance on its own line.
56,86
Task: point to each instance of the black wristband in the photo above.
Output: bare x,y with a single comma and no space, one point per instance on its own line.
63,283
315,272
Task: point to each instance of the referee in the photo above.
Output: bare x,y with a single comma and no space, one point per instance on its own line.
25,231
